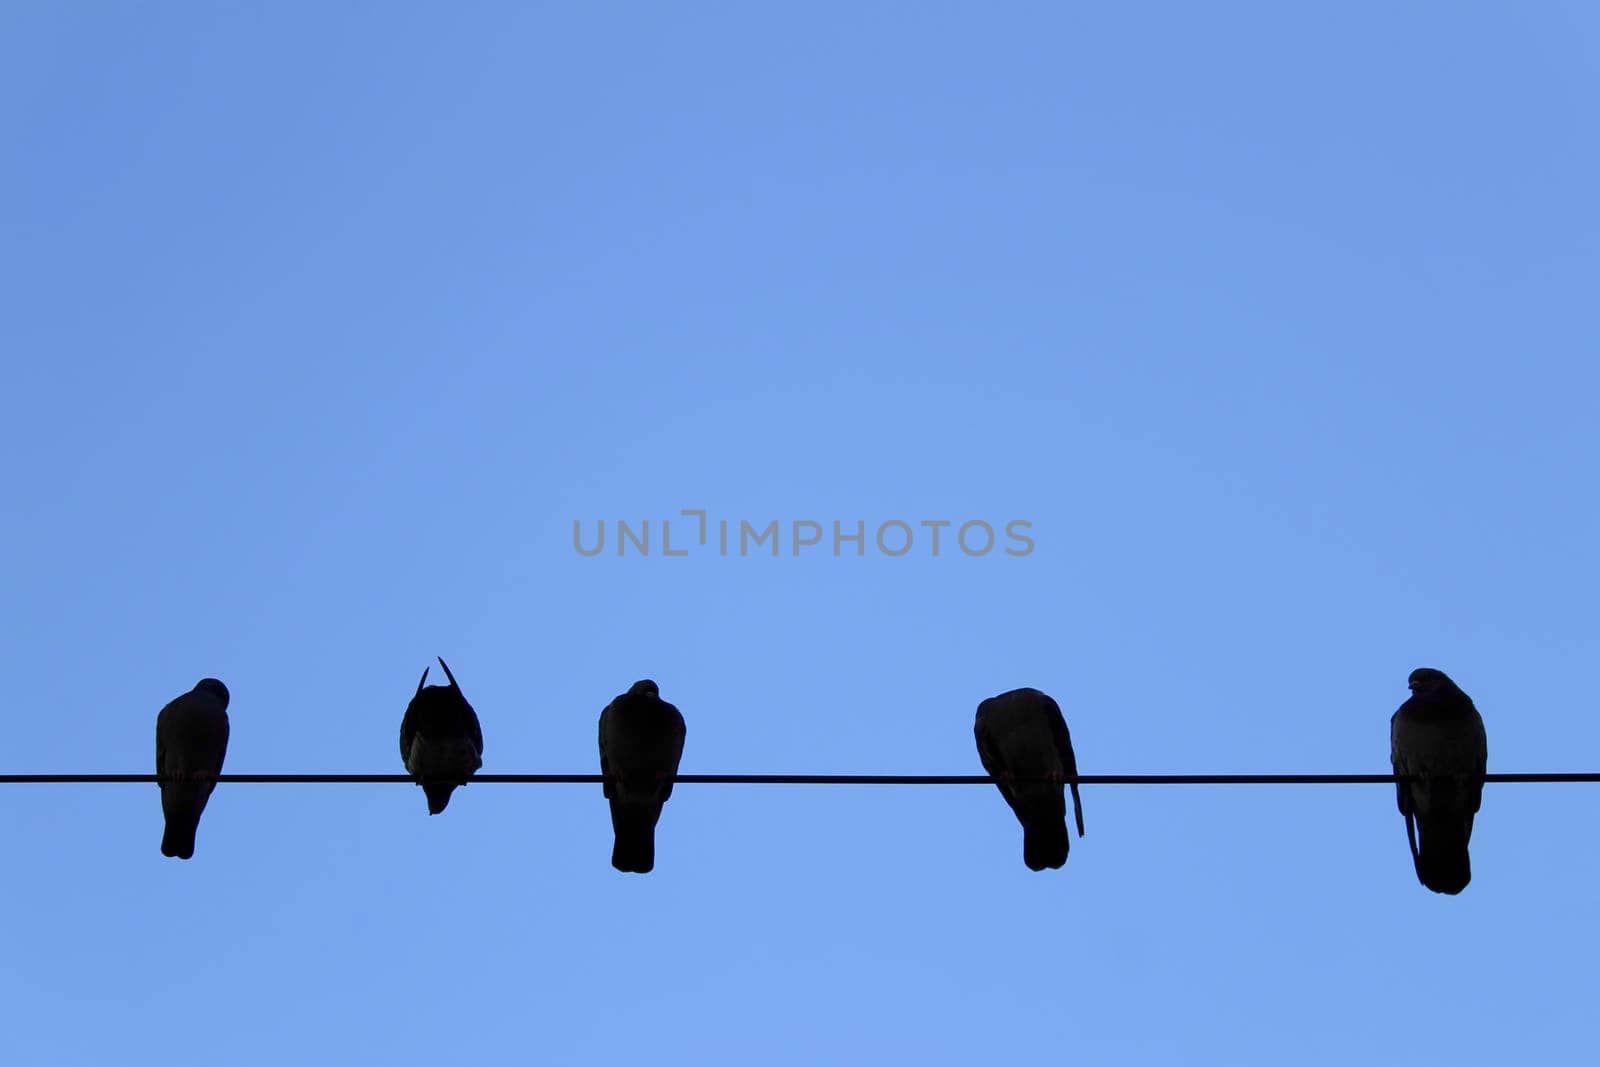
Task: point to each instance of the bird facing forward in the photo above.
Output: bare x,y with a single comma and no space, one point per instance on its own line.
641,744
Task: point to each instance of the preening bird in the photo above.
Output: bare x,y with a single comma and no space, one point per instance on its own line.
1438,736
641,742
1021,735
441,742
191,742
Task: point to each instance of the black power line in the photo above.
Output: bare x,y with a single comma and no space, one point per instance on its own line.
824,779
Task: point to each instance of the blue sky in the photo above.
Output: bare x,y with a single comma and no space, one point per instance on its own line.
325,323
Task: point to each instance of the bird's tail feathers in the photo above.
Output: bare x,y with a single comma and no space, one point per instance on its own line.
1443,862
181,805
438,794
178,837
634,850
1045,843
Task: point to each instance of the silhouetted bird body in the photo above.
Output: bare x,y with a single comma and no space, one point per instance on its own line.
1438,735
1021,734
191,743
641,743
441,742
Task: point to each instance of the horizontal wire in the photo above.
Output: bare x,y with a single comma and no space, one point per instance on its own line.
827,779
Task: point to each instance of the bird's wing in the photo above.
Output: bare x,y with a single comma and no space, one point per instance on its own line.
605,762
408,722
678,732
988,755
191,735
1400,740
220,738
993,760
161,742
1480,760
408,733
1397,760
1069,760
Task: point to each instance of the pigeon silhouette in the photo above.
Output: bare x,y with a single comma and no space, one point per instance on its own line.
441,742
1021,735
1437,735
191,742
641,742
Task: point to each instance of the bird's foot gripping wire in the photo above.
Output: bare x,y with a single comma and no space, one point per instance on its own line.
188,778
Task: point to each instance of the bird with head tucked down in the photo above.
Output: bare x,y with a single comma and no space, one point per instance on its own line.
1023,741
191,743
1437,739
641,744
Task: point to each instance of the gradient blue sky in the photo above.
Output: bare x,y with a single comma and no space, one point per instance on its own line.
323,323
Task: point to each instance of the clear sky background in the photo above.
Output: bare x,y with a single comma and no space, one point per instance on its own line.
323,323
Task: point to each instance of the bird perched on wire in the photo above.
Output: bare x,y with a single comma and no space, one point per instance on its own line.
1021,735
1437,736
641,743
441,742
191,743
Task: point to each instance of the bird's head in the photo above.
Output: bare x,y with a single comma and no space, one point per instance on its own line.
1427,680
214,688
644,687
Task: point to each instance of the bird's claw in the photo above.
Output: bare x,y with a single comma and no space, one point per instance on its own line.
191,778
